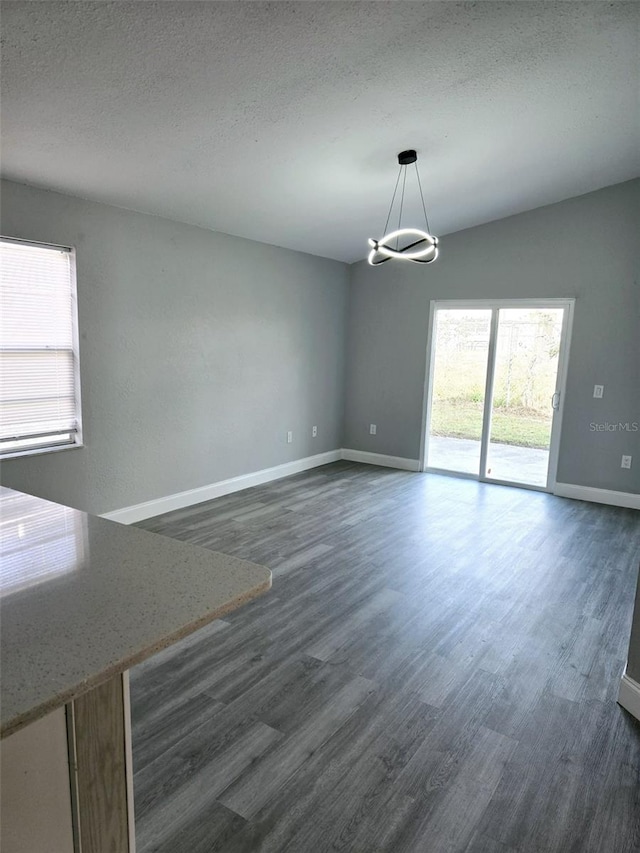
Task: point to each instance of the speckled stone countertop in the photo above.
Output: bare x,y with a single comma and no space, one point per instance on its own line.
83,598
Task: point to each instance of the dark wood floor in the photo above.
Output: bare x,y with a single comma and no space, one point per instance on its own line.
435,669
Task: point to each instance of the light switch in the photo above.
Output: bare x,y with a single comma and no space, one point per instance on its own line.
598,391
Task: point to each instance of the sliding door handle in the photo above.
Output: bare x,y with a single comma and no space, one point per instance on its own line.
555,401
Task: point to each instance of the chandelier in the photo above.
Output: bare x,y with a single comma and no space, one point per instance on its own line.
411,244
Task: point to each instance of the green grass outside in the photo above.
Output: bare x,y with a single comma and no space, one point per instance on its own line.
523,428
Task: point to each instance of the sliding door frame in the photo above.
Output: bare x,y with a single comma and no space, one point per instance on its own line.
494,305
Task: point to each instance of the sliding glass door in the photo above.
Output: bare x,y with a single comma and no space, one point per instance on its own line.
495,389
524,383
459,379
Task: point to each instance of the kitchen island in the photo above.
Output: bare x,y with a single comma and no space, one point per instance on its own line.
83,600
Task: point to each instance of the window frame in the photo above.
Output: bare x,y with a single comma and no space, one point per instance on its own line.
52,446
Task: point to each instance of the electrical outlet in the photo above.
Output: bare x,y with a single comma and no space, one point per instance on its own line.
373,429
626,462
314,431
598,391
289,437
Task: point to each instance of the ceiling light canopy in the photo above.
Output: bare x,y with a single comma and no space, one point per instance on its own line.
411,244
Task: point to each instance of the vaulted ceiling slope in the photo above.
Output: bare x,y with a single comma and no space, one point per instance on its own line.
280,121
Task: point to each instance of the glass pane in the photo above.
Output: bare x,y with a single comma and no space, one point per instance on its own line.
459,376
527,349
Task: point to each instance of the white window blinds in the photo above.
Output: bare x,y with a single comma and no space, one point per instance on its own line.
39,386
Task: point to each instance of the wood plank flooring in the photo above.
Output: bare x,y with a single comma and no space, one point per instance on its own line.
435,670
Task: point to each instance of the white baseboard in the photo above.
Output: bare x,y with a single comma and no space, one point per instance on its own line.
158,506
629,696
599,496
180,500
382,459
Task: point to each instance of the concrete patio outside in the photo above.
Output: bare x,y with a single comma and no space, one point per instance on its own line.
527,465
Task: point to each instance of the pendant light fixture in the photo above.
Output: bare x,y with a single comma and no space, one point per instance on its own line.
411,244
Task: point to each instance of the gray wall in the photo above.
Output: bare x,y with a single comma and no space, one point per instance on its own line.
198,352
587,248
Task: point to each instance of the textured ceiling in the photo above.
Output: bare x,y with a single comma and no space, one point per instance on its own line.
281,121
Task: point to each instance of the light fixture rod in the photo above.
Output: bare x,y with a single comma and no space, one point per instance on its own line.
393,198
404,183
426,218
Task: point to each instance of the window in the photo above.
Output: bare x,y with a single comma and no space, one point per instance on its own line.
39,371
